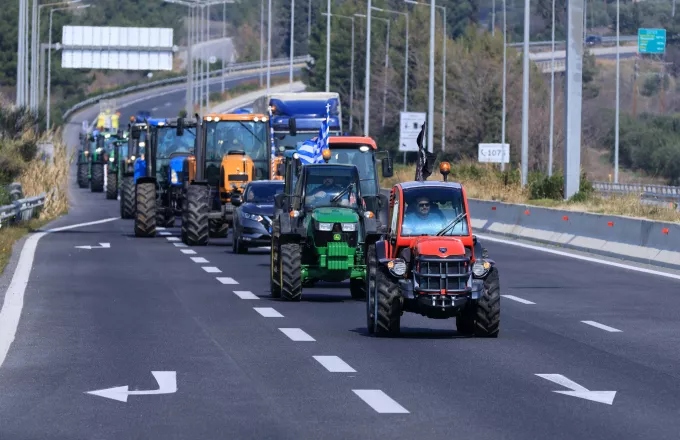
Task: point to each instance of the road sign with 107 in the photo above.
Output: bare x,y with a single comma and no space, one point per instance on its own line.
494,153
410,125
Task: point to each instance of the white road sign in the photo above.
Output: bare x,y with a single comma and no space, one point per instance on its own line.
410,125
494,153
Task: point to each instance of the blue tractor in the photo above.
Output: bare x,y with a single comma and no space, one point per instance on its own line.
161,174
136,147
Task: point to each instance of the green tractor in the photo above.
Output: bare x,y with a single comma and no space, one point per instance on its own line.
321,229
83,164
97,162
114,146
136,146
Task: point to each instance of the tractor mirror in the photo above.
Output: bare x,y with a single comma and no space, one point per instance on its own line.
387,167
236,200
279,201
292,126
474,239
180,127
280,169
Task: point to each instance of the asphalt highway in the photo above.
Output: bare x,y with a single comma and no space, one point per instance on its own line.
246,366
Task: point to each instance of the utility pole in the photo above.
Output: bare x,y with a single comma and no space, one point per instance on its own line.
328,45
525,94
292,42
269,46
430,95
552,94
367,77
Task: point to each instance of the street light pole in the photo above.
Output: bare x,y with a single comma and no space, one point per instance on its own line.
328,46
616,128
406,17
552,94
351,68
444,72
525,94
269,46
261,41
505,71
430,94
367,79
292,42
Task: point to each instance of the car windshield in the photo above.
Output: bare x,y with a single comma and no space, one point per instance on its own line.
427,210
365,163
169,143
263,193
331,186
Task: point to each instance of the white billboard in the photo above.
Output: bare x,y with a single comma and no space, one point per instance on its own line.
494,153
410,125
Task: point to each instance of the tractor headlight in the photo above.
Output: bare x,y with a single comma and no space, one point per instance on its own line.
397,267
111,159
98,150
173,177
349,227
256,217
325,226
481,268
132,157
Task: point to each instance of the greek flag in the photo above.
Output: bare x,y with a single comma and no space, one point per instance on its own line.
272,143
311,150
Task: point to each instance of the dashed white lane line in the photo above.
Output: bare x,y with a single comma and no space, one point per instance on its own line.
164,233
211,269
297,335
180,245
602,326
380,402
188,251
154,109
245,294
199,260
172,238
334,364
227,280
160,228
518,299
268,312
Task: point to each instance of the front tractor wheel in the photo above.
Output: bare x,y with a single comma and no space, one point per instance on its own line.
371,293
483,318
97,182
145,210
195,222
112,186
127,198
83,179
388,299
291,274
218,228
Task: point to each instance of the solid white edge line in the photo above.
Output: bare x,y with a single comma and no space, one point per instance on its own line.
297,335
199,260
268,312
245,294
334,364
14,296
579,257
380,402
602,326
518,299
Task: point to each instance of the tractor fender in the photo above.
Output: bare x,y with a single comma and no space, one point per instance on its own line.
286,226
370,226
382,251
142,180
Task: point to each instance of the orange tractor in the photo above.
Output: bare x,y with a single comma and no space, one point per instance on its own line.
231,150
429,262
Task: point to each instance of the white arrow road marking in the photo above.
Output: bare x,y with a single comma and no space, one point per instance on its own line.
297,335
334,364
518,299
602,326
101,246
578,390
268,312
167,384
380,402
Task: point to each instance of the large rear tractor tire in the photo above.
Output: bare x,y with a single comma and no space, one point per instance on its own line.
112,186
127,198
488,316
97,182
83,180
218,228
145,210
291,274
274,271
195,221
389,305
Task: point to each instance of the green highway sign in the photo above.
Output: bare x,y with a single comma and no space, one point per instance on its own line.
651,41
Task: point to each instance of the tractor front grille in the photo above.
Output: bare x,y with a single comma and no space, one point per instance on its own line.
324,238
448,275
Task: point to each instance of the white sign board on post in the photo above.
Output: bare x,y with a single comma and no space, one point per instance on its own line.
410,124
494,153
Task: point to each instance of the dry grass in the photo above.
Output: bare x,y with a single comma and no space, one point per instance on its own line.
484,182
49,177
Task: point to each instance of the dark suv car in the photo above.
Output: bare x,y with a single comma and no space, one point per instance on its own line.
253,214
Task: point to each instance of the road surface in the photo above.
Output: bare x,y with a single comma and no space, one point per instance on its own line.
246,366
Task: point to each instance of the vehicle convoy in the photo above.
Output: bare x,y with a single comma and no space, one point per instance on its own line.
162,173
297,117
231,150
253,214
137,137
362,151
321,229
430,263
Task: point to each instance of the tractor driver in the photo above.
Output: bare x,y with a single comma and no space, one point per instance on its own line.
422,220
326,191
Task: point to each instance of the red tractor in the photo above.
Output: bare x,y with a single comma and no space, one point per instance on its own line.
429,262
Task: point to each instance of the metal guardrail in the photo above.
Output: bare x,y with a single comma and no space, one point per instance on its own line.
21,209
660,192
238,67
605,40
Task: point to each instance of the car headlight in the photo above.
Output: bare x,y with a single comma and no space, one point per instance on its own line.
349,227
325,226
256,217
173,177
397,267
481,268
